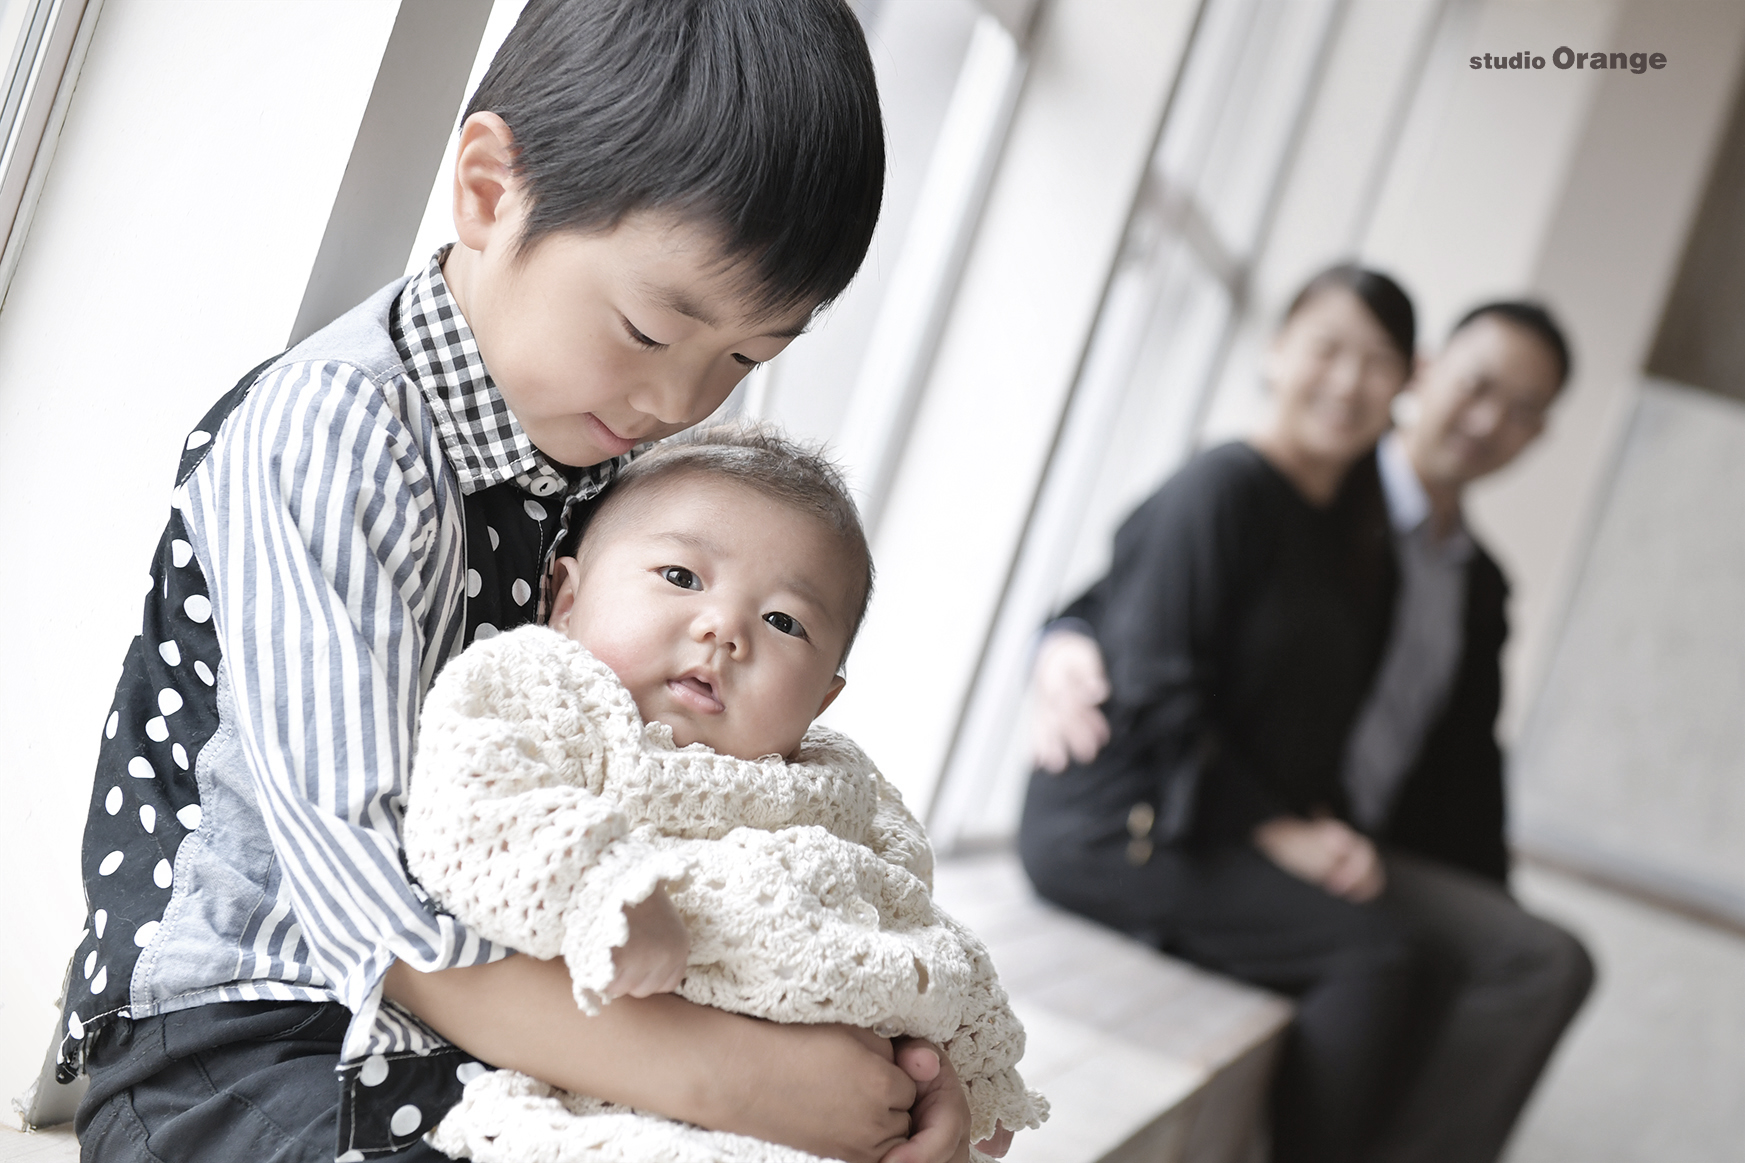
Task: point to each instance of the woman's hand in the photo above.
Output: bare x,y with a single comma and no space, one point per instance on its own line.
652,958
1068,686
1327,853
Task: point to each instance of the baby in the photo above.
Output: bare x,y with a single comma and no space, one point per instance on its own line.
639,789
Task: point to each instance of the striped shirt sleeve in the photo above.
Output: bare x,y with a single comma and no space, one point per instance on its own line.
336,579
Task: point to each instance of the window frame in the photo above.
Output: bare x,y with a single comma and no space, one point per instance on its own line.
42,71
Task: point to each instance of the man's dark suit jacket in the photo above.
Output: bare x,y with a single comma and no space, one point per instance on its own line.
1450,806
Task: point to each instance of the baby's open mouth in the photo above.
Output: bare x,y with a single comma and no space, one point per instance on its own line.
696,692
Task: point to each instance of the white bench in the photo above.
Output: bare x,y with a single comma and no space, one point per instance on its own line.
1144,1058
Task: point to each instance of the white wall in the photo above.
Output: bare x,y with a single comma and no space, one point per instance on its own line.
169,254
918,49
1631,763
1058,207
1607,260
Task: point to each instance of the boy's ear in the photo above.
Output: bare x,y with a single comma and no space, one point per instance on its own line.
484,174
836,685
566,578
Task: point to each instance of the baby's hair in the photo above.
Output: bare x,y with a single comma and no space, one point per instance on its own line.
761,458
758,119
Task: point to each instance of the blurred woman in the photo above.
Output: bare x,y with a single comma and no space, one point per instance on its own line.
1242,620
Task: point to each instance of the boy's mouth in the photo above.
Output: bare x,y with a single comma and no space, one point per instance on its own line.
609,441
697,693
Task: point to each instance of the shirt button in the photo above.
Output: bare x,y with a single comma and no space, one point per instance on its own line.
545,486
1140,818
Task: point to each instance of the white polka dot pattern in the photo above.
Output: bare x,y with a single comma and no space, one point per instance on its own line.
374,1071
150,736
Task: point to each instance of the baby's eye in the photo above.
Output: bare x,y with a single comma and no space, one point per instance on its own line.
786,623
681,577
747,362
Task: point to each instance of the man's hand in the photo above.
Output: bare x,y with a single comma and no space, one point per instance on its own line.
1068,686
1327,853
652,958
940,1116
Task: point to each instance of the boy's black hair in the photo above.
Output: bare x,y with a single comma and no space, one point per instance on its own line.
1386,300
756,118
1534,317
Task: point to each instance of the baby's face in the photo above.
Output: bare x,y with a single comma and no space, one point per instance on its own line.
724,612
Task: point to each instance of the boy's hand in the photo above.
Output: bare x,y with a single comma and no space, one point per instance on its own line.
652,958
939,1119
1327,853
1068,686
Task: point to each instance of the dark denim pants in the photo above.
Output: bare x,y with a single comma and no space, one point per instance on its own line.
220,1084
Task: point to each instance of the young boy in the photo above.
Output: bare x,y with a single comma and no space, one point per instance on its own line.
657,738
649,199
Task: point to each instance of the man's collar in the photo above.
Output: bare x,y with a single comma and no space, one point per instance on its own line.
485,443
1408,503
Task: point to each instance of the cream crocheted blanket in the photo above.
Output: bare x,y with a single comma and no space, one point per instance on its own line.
542,805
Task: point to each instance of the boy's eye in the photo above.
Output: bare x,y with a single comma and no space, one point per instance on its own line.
679,576
639,337
747,362
786,623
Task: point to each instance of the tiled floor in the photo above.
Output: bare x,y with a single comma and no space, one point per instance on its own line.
1653,1071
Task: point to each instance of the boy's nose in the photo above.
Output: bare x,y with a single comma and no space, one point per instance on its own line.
674,401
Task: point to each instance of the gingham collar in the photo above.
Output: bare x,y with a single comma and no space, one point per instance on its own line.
484,441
